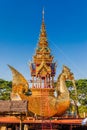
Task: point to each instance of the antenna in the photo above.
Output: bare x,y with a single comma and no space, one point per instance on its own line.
43,14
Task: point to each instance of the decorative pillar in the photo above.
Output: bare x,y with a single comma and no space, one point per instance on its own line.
33,81
36,83
49,81
21,123
45,82
40,82
52,82
25,127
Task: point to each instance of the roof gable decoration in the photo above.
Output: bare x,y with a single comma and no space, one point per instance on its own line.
43,68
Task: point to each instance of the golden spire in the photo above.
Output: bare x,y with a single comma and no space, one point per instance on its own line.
42,60
43,14
43,50
43,38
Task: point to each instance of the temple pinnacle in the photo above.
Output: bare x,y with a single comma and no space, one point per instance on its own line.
43,38
43,14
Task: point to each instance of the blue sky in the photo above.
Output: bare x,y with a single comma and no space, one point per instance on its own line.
66,25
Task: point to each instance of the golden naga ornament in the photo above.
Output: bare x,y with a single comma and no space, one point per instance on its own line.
46,100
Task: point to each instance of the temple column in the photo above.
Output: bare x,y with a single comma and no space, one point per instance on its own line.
40,82
25,127
33,81
49,81
36,83
52,81
45,82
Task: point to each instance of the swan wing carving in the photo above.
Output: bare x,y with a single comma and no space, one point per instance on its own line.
19,84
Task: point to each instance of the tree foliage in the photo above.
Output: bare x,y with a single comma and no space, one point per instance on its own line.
81,97
82,91
5,89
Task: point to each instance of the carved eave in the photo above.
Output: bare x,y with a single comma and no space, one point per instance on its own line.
44,50
43,68
38,60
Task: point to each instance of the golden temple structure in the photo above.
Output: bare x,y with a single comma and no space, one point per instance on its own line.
43,102
43,67
33,111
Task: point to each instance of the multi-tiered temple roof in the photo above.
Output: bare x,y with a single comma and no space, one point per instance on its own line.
43,51
43,65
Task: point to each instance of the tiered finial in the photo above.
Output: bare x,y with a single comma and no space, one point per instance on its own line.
43,38
43,67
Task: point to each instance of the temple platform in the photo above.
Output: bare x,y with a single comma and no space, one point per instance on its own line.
58,123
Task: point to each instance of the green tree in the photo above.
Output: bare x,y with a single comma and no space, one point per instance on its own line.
5,89
82,94
73,97
81,99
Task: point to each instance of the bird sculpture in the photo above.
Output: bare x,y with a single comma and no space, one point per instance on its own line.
43,101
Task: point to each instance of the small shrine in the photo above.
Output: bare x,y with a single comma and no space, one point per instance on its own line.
42,67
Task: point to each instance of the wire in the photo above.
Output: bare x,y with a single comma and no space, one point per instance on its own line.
67,58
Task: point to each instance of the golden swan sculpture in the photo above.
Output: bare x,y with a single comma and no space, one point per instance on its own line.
43,101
